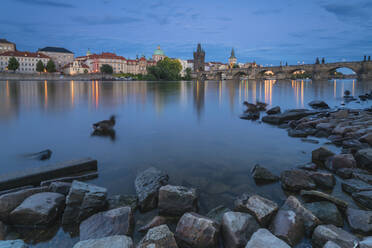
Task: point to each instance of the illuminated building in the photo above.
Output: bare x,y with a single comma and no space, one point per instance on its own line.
27,60
158,55
59,55
6,46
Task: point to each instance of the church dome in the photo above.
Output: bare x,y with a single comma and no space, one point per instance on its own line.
88,52
158,51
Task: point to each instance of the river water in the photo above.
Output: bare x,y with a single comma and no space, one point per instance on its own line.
191,130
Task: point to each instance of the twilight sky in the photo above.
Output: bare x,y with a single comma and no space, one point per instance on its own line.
266,31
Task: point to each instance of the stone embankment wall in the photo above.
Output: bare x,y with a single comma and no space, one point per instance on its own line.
52,76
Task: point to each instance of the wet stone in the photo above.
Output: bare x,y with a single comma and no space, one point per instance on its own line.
117,241
177,200
217,213
237,228
326,212
360,220
341,161
354,185
13,244
60,187
364,198
261,208
158,237
157,221
364,158
366,242
331,244
324,233
288,226
367,178
320,155
314,195
262,175
264,238
323,179
274,110
117,201
296,180
147,185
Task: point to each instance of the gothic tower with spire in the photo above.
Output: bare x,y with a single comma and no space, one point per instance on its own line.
199,59
232,59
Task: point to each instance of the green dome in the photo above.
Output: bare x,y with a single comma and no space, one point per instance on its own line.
158,51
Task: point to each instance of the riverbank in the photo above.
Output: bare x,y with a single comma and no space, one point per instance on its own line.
52,77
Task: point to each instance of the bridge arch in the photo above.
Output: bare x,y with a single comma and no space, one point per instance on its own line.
343,71
300,73
239,74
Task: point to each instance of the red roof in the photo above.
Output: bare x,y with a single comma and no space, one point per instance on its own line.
104,56
70,64
24,54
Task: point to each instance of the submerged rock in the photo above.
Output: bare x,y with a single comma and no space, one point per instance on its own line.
316,104
354,185
262,175
264,238
274,110
364,158
117,201
158,237
294,114
320,155
261,208
177,200
296,180
217,213
364,198
324,233
117,221
313,195
38,209
196,231
147,185
326,212
237,228
117,241
359,220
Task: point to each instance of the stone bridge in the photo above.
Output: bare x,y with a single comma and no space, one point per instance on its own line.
363,71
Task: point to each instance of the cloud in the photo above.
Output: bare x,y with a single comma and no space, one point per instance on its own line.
358,11
48,3
106,20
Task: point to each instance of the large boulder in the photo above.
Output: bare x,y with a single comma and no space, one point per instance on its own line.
288,226
60,187
364,158
158,237
261,208
82,201
38,209
117,241
326,212
274,110
320,155
324,233
237,228
147,185
317,104
341,161
364,198
264,238
177,200
359,220
289,115
354,185
13,244
296,180
117,221
323,179
8,202
310,220
262,175
196,231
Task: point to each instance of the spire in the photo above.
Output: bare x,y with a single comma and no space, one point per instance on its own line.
199,50
232,54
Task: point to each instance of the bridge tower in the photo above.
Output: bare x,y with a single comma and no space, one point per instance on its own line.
232,59
199,59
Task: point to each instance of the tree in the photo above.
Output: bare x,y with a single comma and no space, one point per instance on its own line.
40,66
13,64
86,71
166,69
106,69
188,74
317,62
51,67
235,66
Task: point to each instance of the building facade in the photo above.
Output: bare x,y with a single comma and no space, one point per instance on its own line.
76,67
158,55
59,55
7,46
27,60
199,59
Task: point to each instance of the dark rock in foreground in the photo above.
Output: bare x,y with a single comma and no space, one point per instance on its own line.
117,241
326,212
262,175
274,110
158,237
288,226
263,238
117,201
288,115
364,158
359,220
354,185
217,213
320,155
177,200
38,209
318,104
196,231
364,198
313,195
296,180
147,185
117,221
324,233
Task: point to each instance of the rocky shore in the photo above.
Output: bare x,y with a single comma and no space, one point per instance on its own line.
310,212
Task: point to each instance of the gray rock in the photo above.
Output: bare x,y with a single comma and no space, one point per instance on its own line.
117,241
297,133
82,201
331,244
323,179
217,213
366,242
311,141
60,187
296,180
263,238
147,185
177,200
313,195
317,104
38,209
117,201
288,226
359,220
196,231
158,237
13,244
274,110
364,158
320,155
354,185
117,221
347,173
261,174
237,228
324,233
157,221
3,230
367,178
340,161
294,114
8,202
261,208
364,198
367,138
310,220
326,212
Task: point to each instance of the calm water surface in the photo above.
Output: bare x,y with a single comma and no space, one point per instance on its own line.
191,130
